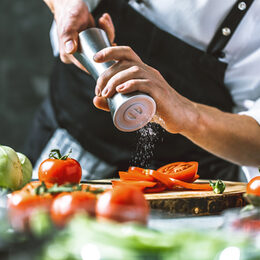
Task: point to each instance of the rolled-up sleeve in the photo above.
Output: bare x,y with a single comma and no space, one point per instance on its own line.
92,4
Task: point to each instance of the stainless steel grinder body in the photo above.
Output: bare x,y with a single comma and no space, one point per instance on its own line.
130,112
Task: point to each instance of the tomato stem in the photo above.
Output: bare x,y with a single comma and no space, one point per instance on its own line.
42,189
55,154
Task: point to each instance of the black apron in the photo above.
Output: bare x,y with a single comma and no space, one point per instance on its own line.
195,74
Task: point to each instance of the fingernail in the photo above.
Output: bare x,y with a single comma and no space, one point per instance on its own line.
104,92
69,46
120,88
97,56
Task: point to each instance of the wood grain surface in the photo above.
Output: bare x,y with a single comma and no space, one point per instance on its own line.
186,202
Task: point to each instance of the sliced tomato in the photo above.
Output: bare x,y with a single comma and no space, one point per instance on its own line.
191,186
135,176
138,184
194,178
184,171
170,182
134,169
159,187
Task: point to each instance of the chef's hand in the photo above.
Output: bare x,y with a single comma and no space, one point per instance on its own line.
174,112
72,17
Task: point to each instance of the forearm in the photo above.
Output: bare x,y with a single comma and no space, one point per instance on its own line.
230,136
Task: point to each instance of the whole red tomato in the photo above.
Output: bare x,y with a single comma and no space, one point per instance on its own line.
59,169
22,204
65,205
123,203
253,187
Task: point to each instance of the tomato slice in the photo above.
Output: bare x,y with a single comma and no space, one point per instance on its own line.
194,178
157,188
184,171
139,184
134,169
135,176
170,182
192,186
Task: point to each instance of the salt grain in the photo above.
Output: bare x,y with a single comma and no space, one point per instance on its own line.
147,138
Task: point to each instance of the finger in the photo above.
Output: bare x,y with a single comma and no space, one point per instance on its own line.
101,103
132,85
69,39
134,72
105,23
78,19
116,53
109,73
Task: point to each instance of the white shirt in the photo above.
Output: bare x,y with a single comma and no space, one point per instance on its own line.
195,22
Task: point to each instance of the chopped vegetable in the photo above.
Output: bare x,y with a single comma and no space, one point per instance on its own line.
218,187
184,171
138,184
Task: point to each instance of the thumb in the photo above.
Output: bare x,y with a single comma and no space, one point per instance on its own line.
101,103
70,42
70,47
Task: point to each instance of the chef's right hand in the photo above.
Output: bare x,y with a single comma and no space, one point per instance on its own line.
72,17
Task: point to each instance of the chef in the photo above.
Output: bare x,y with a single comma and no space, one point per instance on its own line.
198,59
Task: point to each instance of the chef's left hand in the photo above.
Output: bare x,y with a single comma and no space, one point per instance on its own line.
130,74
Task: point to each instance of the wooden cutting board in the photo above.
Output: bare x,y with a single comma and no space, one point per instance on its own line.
183,202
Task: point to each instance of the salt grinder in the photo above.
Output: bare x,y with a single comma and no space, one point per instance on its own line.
130,112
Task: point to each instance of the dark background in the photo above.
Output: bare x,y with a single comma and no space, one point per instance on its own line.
25,64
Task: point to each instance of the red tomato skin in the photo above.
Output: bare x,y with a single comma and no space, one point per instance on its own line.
66,205
183,171
60,171
253,186
21,205
123,204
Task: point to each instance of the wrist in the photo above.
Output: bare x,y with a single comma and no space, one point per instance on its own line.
193,122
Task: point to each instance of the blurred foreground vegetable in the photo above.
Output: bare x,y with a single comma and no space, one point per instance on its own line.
85,238
15,168
124,203
27,168
11,175
253,191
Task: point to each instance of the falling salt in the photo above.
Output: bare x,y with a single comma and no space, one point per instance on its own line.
147,139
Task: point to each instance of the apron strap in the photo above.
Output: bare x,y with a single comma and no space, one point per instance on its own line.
228,27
